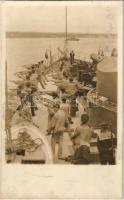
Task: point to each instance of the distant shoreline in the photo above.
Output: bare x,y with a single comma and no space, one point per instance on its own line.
56,35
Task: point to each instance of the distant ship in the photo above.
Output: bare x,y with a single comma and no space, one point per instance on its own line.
73,39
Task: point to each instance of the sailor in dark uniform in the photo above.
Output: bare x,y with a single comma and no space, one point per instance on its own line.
61,66
72,55
106,145
46,55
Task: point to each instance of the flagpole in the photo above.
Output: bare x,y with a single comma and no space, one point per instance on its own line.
66,28
66,32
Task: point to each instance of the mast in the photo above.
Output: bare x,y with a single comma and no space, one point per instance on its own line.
66,33
65,49
66,28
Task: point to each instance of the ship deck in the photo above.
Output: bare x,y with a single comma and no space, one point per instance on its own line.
41,121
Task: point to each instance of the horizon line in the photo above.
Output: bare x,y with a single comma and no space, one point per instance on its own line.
12,34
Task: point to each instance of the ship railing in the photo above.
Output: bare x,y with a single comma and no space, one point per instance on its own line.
94,99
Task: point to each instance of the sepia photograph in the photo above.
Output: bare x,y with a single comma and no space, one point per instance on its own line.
61,99
61,84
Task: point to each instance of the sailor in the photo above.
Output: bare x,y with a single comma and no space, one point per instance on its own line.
61,66
106,145
27,96
58,126
34,78
81,139
72,55
32,102
44,77
27,80
40,76
46,61
43,73
23,93
71,90
46,55
19,92
100,52
27,91
66,107
51,112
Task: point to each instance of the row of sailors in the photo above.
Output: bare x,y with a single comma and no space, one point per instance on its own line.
37,74
27,90
59,118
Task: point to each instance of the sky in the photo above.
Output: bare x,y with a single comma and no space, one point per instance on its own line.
81,19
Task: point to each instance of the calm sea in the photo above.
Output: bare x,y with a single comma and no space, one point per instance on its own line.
24,51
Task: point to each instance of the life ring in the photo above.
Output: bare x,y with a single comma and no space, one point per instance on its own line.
34,133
